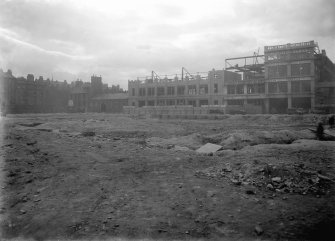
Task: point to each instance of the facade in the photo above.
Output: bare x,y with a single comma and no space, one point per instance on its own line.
94,96
29,95
111,103
21,95
291,76
195,90
286,77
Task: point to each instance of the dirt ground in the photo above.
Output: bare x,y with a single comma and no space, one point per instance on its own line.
104,176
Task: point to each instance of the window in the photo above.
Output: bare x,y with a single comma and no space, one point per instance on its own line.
180,102
216,102
170,102
170,90
306,86
235,102
161,102
282,86
142,92
277,71
151,91
272,71
255,102
133,91
203,102
273,87
151,102
261,88
305,69
192,102
215,88
141,103
295,86
160,91
203,89
282,70
180,90
231,89
251,89
192,89
300,69
239,89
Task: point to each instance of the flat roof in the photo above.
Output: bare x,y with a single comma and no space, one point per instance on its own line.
111,96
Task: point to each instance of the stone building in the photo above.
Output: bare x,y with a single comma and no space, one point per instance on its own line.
110,102
290,76
21,95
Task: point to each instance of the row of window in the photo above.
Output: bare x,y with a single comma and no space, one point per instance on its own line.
273,87
174,102
298,54
251,89
171,90
296,70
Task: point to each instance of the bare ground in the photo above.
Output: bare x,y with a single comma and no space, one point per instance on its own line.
100,176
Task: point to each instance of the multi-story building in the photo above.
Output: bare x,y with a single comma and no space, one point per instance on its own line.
21,95
285,77
290,76
187,89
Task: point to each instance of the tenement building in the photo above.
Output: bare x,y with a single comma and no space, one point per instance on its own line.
30,95
285,78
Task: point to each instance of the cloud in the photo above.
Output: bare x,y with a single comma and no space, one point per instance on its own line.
39,49
121,40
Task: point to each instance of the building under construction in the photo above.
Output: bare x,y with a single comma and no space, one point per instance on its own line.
287,77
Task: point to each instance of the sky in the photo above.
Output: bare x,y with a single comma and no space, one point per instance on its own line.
125,39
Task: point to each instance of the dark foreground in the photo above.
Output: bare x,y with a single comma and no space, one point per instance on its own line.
96,176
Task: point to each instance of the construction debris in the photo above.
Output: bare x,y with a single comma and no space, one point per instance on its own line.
293,178
209,148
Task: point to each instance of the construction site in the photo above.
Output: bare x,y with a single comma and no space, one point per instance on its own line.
286,79
120,177
245,153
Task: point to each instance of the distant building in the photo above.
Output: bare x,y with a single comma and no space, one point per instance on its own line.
95,96
96,85
292,76
286,77
112,103
79,97
187,89
22,95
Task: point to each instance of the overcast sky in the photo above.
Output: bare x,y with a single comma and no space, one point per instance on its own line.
123,39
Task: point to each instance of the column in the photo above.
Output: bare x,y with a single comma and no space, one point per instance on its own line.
289,102
313,94
289,91
266,88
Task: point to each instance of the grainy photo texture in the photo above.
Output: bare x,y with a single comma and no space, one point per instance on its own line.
167,120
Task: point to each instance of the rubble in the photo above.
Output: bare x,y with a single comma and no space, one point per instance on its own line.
294,179
241,138
208,148
276,179
88,133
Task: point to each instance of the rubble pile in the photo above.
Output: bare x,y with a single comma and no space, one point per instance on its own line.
296,178
241,138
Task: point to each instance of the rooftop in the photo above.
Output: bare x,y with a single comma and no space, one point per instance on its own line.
111,96
309,44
